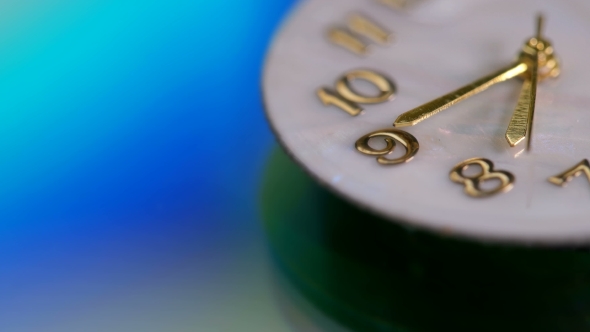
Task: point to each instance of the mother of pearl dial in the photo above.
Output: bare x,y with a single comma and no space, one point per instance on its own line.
433,52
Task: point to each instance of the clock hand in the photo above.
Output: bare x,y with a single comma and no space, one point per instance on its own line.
546,62
521,124
429,109
521,120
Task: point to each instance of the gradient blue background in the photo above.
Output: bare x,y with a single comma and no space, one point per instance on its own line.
132,144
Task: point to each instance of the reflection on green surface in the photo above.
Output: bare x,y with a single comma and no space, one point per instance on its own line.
374,275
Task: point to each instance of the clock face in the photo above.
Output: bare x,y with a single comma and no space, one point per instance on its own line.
340,70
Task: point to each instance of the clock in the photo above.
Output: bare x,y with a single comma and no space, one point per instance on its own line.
466,118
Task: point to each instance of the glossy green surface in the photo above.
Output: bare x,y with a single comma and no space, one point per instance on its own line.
374,275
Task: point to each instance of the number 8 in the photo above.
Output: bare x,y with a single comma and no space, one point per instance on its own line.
472,183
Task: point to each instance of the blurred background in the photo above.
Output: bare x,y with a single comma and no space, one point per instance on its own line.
142,190
133,145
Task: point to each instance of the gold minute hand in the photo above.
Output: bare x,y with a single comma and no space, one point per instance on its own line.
429,109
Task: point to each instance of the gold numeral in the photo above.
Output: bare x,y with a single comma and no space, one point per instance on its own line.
329,97
347,40
390,135
365,27
395,4
473,183
347,99
350,38
400,4
562,179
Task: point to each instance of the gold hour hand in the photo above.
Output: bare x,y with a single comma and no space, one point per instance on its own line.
429,109
522,119
521,124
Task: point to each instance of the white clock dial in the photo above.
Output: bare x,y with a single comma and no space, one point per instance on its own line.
424,61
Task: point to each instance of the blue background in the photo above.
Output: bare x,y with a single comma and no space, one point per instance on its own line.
133,144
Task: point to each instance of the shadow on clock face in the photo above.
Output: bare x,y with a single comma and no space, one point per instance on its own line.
373,275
